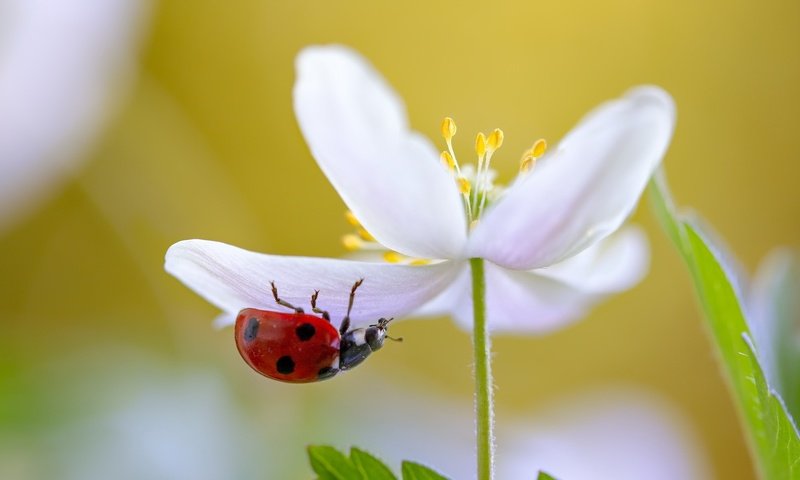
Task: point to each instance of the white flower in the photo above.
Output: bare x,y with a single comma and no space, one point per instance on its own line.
62,67
546,239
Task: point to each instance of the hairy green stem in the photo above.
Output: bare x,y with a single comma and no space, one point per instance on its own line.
484,412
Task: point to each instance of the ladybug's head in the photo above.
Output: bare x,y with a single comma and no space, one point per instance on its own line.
376,334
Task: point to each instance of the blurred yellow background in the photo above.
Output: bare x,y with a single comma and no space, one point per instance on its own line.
206,146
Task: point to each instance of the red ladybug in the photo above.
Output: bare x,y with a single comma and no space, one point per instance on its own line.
301,348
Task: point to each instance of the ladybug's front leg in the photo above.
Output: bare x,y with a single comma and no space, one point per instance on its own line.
346,320
279,301
324,313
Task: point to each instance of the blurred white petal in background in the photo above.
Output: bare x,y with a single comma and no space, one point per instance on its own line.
620,433
185,427
63,68
625,435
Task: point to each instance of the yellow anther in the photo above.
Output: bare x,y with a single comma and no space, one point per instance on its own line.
365,235
352,242
527,163
539,148
448,128
495,139
392,257
463,185
480,144
447,159
418,262
351,219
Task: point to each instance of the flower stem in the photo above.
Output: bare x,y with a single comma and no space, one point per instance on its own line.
484,412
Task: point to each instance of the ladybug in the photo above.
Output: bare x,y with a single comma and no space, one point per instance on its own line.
301,348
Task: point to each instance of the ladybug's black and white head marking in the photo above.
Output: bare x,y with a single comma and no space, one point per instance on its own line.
358,343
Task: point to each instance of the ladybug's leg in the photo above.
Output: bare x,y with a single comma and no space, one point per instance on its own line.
325,314
346,320
283,302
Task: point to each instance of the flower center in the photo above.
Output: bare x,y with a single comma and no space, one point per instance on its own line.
476,184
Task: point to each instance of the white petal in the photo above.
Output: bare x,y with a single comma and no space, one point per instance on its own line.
624,434
584,189
63,66
516,302
224,319
455,300
773,315
232,279
389,176
614,264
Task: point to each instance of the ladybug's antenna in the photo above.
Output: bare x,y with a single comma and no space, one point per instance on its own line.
383,323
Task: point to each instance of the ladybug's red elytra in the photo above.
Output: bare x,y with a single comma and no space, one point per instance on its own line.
302,348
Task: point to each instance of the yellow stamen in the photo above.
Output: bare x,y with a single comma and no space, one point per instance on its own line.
527,163
351,219
365,235
447,159
539,148
392,257
463,185
495,140
352,242
448,128
480,144
417,262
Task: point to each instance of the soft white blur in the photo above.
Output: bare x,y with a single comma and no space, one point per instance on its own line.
63,68
620,433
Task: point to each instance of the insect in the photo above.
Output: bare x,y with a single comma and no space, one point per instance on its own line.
301,348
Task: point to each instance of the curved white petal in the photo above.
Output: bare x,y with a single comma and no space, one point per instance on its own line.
584,189
773,315
621,433
63,68
516,302
614,264
232,279
389,176
455,300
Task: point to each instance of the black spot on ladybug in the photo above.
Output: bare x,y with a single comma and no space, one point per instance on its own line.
285,365
326,372
251,330
305,332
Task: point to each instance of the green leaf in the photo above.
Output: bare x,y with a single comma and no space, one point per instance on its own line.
545,476
415,471
773,437
331,464
369,466
779,431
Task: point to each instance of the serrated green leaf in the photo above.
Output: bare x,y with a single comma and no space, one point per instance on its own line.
331,464
369,466
545,476
415,471
778,428
772,436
